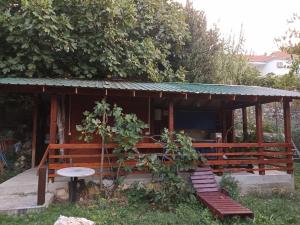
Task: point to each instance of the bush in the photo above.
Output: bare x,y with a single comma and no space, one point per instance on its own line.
230,184
169,188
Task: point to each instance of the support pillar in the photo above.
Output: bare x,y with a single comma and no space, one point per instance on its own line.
53,120
53,124
171,116
245,124
224,125
259,136
230,125
34,130
287,133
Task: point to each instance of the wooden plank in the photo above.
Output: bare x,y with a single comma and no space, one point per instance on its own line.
203,154
160,145
202,173
79,156
91,165
206,181
202,177
206,189
250,170
247,161
265,153
212,185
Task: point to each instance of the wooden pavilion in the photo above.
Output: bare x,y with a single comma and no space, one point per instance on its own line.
204,111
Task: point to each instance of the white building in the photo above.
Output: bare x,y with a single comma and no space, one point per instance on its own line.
278,63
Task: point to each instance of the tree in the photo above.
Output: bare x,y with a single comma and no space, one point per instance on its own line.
232,64
201,49
290,41
125,130
125,39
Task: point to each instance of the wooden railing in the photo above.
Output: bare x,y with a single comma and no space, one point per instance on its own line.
248,157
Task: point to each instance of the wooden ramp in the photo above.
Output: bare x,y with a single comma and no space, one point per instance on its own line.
218,202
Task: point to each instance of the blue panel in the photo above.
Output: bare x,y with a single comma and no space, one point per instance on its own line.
195,120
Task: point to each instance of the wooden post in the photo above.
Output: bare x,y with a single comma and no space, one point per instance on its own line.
224,125
245,124
34,130
259,135
230,125
41,185
171,116
287,133
53,126
53,120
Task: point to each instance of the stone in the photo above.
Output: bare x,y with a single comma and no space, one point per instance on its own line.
62,194
108,184
63,220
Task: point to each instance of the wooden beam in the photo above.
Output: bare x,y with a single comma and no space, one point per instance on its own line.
245,124
34,130
41,185
287,131
259,134
53,119
171,115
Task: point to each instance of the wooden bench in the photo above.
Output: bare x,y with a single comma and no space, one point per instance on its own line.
209,194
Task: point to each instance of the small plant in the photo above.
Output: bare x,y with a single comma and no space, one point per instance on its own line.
112,125
168,187
230,185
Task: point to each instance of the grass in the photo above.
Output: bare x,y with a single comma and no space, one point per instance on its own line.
276,209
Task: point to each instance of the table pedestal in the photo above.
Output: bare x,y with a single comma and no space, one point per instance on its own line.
73,189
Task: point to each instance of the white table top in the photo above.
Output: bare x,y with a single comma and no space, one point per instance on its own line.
76,172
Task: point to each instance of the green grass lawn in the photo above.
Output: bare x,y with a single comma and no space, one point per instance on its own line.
278,209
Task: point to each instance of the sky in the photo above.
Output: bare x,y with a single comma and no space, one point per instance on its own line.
262,20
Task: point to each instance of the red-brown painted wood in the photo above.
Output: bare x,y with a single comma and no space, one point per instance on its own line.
245,123
171,115
259,133
219,203
287,131
53,119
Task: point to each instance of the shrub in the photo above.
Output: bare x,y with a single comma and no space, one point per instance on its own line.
230,184
168,187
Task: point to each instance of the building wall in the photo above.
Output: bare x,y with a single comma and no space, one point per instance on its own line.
273,67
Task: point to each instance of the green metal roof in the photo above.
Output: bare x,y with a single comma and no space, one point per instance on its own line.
196,88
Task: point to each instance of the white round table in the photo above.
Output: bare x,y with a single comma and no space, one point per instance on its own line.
74,173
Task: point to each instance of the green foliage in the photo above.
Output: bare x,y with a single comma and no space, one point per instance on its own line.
33,39
169,188
113,126
201,49
229,184
124,39
95,122
232,66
